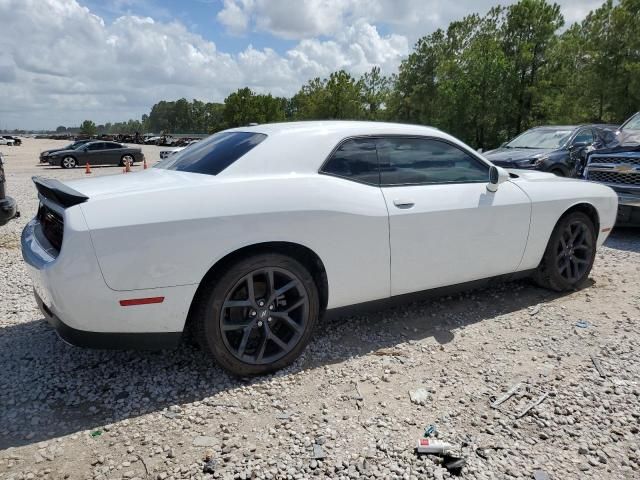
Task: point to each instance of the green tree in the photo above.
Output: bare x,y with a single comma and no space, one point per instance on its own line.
88,128
375,93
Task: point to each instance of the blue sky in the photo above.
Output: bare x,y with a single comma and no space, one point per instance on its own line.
64,61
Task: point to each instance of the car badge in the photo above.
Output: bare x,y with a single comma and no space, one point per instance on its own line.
624,168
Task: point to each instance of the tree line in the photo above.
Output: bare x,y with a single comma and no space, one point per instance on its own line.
484,79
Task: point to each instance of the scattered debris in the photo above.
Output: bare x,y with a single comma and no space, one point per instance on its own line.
510,393
420,396
429,445
430,431
359,396
283,415
453,464
534,310
536,402
598,365
582,324
209,466
96,433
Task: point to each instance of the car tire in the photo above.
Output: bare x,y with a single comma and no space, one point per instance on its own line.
268,329
569,255
68,162
558,172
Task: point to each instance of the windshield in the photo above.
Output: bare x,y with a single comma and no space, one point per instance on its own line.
540,138
632,124
214,154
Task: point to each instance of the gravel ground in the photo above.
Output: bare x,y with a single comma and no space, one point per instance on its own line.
344,409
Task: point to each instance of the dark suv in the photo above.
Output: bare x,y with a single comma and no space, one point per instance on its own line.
618,166
557,149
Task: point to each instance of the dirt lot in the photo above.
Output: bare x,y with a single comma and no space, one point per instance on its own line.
344,409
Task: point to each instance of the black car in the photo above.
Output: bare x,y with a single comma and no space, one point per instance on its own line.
8,207
44,156
97,153
557,149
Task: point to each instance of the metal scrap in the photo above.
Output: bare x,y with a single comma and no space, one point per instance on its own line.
510,393
596,363
536,402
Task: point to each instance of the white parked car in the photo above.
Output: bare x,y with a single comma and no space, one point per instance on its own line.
6,141
172,151
249,236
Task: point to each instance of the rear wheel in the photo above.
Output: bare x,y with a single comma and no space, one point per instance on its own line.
558,172
68,162
125,159
569,255
258,316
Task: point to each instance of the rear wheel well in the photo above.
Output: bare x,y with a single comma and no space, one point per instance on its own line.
589,210
307,257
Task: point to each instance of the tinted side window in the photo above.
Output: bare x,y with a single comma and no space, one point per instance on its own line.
355,159
411,161
112,145
95,146
214,154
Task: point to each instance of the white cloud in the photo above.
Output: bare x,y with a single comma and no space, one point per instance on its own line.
301,19
62,63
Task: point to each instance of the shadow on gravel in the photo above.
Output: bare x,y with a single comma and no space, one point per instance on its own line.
625,238
49,389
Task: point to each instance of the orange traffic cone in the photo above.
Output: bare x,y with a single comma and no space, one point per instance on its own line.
144,163
87,169
127,166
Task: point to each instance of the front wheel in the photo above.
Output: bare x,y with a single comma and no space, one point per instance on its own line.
259,315
68,162
569,255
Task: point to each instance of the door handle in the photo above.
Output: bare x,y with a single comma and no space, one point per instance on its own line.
404,204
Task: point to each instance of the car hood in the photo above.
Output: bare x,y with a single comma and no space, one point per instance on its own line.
53,150
535,176
150,180
624,142
62,151
514,154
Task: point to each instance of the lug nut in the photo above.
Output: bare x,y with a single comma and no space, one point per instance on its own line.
253,313
270,307
261,303
259,323
269,319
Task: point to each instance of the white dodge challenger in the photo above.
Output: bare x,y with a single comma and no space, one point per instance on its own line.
248,237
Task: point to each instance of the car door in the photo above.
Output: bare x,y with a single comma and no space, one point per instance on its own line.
93,153
113,153
445,227
579,147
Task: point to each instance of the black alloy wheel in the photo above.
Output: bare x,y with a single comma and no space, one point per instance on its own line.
569,255
264,315
574,251
258,314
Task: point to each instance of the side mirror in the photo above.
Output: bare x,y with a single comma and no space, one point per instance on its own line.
497,175
578,145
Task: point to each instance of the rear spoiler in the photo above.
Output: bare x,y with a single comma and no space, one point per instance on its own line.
58,192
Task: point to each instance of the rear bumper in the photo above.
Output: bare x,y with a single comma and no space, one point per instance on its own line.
108,340
71,292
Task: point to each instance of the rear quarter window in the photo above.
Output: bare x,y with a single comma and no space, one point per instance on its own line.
212,155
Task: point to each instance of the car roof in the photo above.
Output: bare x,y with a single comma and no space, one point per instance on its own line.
302,147
350,127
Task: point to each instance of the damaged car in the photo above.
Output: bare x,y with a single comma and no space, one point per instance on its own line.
618,166
556,149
